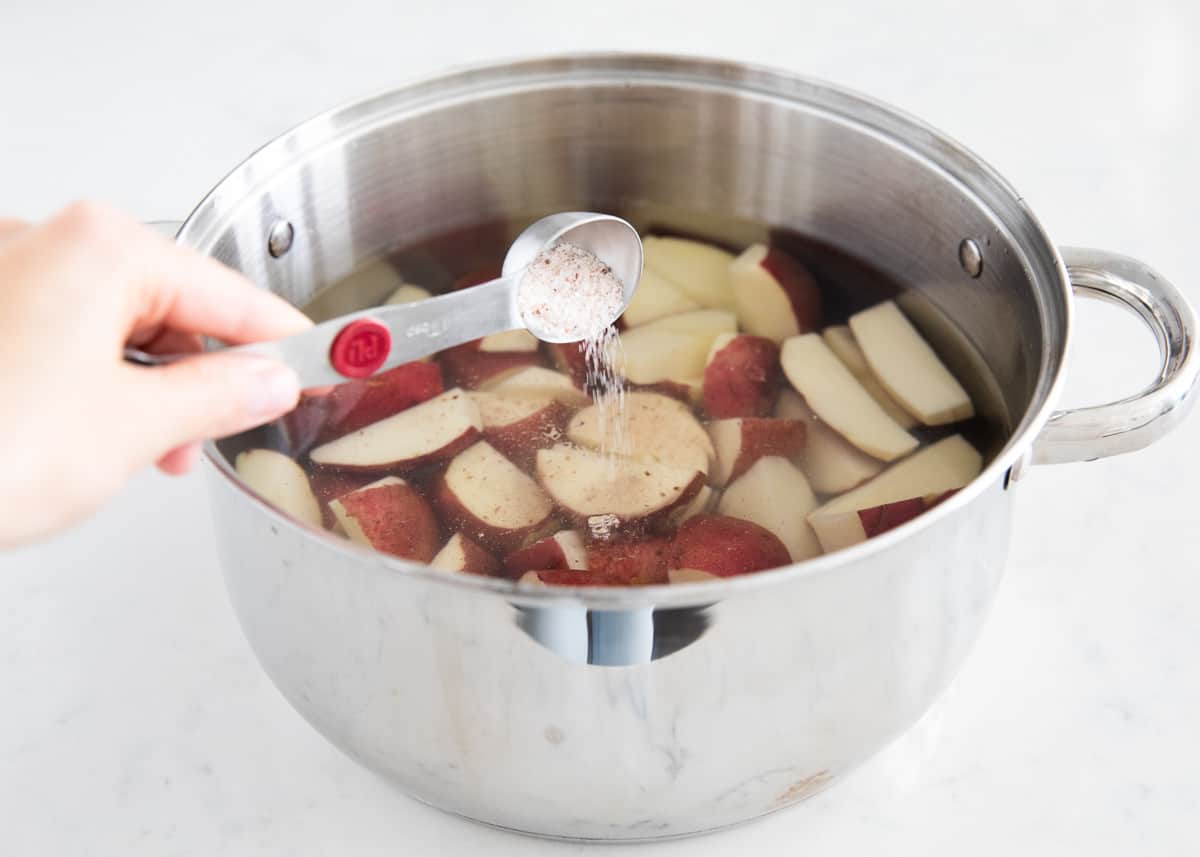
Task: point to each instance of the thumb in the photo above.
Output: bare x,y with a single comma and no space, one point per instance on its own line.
209,396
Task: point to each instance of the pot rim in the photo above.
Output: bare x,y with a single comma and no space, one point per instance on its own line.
495,76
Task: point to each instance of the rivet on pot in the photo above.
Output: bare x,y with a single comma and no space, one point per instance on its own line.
970,257
279,239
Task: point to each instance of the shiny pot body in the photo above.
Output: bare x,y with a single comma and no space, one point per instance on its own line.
664,711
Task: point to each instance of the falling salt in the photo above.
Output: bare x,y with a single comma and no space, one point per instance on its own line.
570,294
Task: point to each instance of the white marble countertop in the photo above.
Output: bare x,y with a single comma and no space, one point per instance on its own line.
133,718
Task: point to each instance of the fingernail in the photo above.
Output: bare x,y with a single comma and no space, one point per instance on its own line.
272,390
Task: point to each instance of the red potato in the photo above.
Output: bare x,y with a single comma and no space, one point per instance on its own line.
519,427
776,296
697,270
434,430
462,554
329,485
489,499
742,377
741,442
470,367
774,494
657,428
830,462
622,564
908,368
564,551
843,529
726,546
389,516
359,403
538,382
704,500
614,492
840,400
281,482
941,467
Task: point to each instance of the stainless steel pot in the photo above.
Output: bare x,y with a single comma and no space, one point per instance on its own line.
658,712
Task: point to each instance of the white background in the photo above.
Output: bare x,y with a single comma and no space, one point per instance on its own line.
133,719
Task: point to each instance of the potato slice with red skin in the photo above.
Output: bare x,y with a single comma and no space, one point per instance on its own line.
586,484
538,382
704,500
673,348
281,482
774,494
469,367
843,529
489,499
908,368
831,463
742,441
463,555
832,391
391,517
329,485
564,551
742,377
776,296
656,428
518,427
946,465
620,564
841,342
435,430
359,403
726,546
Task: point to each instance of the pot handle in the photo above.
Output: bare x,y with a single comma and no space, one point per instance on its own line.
1129,424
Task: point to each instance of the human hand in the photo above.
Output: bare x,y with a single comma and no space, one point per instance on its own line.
78,420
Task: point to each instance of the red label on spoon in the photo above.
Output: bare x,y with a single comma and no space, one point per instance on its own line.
360,348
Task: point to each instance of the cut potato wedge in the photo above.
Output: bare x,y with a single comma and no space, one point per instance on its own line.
774,494
841,342
389,516
839,399
698,270
830,462
485,496
944,466
689,575
281,482
908,368
776,296
587,484
701,504
843,529
656,428
431,431
564,550
674,348
726,546
462,554
741,442
654,298
540,383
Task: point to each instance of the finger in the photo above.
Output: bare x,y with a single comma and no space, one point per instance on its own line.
173,286
179,460
10,227
169,342
207,396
